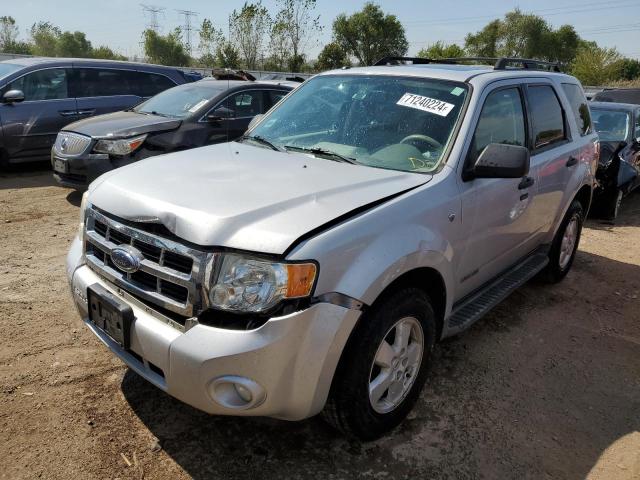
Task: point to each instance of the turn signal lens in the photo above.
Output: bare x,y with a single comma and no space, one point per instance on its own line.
300,278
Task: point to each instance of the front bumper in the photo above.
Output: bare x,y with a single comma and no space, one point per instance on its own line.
291,358
80,170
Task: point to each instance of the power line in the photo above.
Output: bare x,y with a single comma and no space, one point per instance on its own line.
153,12
187,27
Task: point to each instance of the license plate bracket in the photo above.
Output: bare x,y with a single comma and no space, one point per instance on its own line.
60,165
110,315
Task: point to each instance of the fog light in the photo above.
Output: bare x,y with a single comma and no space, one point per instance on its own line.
235,392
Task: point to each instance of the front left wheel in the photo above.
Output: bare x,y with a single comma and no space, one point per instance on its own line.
384,366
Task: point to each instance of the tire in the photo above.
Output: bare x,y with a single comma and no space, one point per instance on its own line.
559,263
349,407
612,205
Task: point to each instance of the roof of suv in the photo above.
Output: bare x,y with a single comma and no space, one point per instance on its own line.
459,73
30,61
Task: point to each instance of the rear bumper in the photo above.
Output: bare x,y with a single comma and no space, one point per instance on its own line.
291,359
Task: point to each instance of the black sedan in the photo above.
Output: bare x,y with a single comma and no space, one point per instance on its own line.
192,115
618,126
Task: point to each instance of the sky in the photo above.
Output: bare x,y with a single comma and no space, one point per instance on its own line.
119,23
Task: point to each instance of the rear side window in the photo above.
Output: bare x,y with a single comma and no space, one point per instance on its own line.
146,84
501,121
246,104
106,82
546,114
579,106
275,96
49,84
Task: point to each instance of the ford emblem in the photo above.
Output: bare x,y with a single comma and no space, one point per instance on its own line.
126,258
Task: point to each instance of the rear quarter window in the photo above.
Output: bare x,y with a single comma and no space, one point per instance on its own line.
547,117
579,107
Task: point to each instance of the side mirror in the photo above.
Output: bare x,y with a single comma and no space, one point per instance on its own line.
220,114
255,120
502,161
13,96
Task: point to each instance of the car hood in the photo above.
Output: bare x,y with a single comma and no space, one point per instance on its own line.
122,124
244,197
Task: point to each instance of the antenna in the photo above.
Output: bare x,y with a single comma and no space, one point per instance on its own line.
153,12
187,28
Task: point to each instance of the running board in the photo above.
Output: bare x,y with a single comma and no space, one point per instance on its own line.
480,303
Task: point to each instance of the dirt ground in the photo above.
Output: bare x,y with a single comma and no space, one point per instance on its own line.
546,386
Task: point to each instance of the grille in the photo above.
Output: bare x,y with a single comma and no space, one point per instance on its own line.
68,143
170,273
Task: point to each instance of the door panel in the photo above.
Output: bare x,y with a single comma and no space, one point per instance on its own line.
30,127
496,212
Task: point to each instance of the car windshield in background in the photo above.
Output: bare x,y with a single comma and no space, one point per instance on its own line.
611,125
181,101
7,69
397,123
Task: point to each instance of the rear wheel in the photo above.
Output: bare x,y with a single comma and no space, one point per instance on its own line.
384,367
565,244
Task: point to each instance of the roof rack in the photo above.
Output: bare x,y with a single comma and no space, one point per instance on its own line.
499,63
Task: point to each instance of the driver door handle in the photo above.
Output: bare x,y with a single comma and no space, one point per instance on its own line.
67,113
526,182
571,162
87,111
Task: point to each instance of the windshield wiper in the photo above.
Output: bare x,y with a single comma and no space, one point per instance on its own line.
262,140
322,152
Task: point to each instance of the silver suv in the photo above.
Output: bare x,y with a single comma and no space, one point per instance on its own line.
313,264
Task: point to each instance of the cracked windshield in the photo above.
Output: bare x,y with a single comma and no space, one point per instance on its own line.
380,121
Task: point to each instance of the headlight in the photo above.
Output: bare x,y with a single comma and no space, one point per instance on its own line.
83,208
250,285
123,146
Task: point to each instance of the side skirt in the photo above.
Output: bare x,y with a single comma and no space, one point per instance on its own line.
477,304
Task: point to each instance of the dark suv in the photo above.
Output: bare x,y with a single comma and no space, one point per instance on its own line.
39,96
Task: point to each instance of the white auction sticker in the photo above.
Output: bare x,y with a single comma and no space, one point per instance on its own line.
426,104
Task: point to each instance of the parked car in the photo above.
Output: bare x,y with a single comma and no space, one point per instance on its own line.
39,96
313,264
187,116
618,126
618,95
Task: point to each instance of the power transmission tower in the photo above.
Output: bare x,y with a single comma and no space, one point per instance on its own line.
153,12
187,27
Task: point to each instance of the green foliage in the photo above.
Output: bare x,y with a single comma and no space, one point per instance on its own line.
332,56
593,65
298,26
106,53
227,56
8,33
210,39
441,50
44,38
524,35
625,69
247,29
73,45
165,49
370,35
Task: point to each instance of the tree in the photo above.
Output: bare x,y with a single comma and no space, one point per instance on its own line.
370,35
441,50
165,49
299,26
105,52
44,38
526,36
279,47
247,29
593,65
332,56
625,69
73,45
8,33
210,39
227,55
